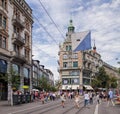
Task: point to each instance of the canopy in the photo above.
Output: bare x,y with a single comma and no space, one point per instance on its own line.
88,87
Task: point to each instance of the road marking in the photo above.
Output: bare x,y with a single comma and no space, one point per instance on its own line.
108,103
24,109
113,103
96,109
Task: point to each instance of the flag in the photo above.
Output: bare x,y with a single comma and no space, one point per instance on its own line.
84,43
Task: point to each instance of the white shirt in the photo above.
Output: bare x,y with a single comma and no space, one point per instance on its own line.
86,96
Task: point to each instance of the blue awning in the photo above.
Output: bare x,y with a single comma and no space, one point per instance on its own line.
3,66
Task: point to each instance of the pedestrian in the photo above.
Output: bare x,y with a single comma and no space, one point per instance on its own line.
110,97
77,100
62,97
91,97
98,98
110,93
42,97
86,98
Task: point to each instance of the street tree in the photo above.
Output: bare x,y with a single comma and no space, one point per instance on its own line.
103,80
12,77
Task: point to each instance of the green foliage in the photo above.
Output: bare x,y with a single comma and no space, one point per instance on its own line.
12,77
119,70
58,84
103,80
44,85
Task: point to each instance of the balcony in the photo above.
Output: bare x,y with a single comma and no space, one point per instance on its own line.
17,21
69,68
17,39
18,57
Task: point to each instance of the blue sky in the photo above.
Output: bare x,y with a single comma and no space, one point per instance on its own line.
101,17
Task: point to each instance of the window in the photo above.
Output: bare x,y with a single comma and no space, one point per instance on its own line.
65,64
68,48
27,24
4,22
75,64
26,76
16,30
75,56
4,4
86,81
26,72
26,38
16,48
27,54
74,73
16,69
3,42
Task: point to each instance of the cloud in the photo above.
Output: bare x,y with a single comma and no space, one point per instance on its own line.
101,17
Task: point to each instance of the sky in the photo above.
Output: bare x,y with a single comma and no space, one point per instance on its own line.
51,20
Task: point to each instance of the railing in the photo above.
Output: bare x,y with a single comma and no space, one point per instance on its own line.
17,20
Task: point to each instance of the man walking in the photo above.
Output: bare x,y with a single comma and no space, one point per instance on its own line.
110,97
86,99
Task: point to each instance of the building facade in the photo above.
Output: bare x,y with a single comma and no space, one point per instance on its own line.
15,43
77,69
112,72
38,72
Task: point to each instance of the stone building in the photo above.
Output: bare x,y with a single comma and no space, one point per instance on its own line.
15,43
38,72
112,72
76,69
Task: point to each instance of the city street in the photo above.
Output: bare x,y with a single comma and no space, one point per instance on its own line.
55,107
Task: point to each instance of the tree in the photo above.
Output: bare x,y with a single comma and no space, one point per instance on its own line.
44,85
112,82
12,78
58,84
103,80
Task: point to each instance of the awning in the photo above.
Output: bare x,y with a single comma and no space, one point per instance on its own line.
35,90
88,87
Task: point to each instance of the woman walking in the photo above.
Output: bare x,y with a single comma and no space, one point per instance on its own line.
63,100
77,100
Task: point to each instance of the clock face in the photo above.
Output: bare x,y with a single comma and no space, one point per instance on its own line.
75,81
65,81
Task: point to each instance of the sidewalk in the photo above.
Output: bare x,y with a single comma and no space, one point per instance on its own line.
4,103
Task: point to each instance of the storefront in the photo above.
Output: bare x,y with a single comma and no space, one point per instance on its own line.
3,83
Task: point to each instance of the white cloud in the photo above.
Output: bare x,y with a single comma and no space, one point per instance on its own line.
103,19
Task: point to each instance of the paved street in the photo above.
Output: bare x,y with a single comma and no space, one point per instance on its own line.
55,107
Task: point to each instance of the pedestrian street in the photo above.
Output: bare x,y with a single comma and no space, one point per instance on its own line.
55,107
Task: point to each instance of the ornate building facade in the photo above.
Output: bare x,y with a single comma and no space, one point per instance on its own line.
15,43
77,69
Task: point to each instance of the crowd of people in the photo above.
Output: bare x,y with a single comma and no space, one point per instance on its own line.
87,96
